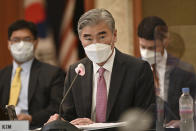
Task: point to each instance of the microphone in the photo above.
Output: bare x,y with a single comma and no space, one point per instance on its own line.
60,124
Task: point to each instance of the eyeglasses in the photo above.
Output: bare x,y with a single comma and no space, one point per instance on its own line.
25,39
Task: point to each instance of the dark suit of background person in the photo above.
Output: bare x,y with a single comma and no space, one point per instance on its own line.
44,91
131,86
178,75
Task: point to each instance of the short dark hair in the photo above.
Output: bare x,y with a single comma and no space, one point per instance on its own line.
147,27
22,24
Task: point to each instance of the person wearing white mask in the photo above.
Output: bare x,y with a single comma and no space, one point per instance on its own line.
113,83
33,87
170,74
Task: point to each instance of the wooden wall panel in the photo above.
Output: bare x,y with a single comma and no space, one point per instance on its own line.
89,4
137,17
10,10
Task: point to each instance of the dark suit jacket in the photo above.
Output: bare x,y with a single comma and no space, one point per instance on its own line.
131,86
44,93
178,75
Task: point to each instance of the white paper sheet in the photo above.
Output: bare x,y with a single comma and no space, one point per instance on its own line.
96,126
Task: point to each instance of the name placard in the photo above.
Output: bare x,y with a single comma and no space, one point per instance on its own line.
14,125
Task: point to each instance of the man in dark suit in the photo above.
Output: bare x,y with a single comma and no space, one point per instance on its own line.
170,74
128,82
41,84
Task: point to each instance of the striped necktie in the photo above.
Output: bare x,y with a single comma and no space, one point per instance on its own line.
156,80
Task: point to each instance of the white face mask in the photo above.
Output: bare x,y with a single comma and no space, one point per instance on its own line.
22,51
98,52
149,56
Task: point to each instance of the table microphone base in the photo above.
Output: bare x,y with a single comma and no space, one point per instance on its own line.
59,125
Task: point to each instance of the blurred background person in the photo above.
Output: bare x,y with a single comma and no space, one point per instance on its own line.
170,73
176,45
34,87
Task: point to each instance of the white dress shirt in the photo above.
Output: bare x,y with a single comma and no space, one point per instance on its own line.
107,75
22,105
161,69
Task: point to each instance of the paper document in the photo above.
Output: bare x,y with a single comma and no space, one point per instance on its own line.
96,126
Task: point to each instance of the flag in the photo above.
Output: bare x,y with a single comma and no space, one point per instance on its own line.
35,12
57,24
63,16
57,29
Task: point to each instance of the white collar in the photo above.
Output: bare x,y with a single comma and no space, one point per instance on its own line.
162,63
26,66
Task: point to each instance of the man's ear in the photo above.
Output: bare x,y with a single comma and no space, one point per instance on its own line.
8,45
114,39
115,35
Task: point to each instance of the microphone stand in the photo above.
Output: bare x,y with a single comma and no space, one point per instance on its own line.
67,92
61,125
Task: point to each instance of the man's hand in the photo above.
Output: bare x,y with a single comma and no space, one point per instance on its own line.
24,117
82,121
173,123
78,121
53,118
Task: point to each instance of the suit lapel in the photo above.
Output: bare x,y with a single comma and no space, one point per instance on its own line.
7,85
170,80
33,79
171,66
86,88
115,83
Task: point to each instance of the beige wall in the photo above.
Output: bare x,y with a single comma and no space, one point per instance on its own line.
175,12
122,12
188,35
